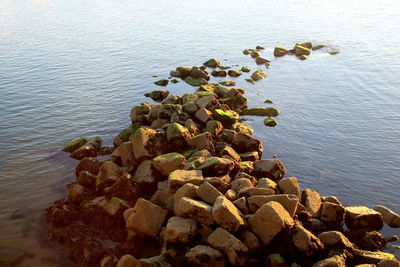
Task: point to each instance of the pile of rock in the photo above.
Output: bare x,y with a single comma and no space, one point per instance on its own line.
186,186
301,51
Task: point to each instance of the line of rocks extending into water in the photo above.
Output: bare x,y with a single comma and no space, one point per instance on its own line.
185,185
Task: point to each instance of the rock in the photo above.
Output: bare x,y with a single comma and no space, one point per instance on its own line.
203,115
146,218
184,72
219,73
246,166
276,260
258,47
187,190
250,240
177,134
163,198
234,249
145,175
289,186
363,218
241,183
113,207
180,230
167,163
249,156
228,83
208,193
108,174
388,263
127,261
171,100
267,183
305,241
178,178
147,143
221,183
188,97
268,101
246,51
331,199
90,149
334,52
227,117
86,179
231,153
335,240
205,256
77,193
254,54
201,141
195,82
159,260
174,81
371,257
212,63
243,128
234,73
214,128
125,134
301,50
241,204
261,60
334,261
140,113
368,240
196,210
332,215
270,122
231,195
246,143
89,164
311,201
389,217
250,81
164,111
216,166
261,111
280,51
158,95
161,82
74,144
302,57
124,154
198,73
159,123
289,202
192,127
227,215
258,75
255,191
318,47
269,168
235,100
267,229
209,102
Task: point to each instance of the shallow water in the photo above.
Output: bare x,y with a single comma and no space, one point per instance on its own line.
75,68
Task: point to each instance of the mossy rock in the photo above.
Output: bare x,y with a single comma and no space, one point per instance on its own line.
254,54
261,111
234,73
195,82
280,51
188,97
258,75
90,149
245,69
175,130
301,50
204,93
243,128
224,67
183,72
212,63
219,73
73,145
125,134
168,157
226,117
246,51
228,83
246,166
157,95
188,153
116,205
268,101
163,82
270,122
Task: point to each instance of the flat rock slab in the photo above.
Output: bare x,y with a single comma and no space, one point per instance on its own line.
359,217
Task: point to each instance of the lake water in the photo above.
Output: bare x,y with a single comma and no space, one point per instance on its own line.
75,68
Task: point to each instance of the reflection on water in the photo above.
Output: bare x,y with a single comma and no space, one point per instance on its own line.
70,69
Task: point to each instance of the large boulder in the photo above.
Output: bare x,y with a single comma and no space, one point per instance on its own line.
289,202
167,163
140,113
305,241
389,217
146,218
180,230
187,190
246,143
145,176
178,178
177,135
269,221
261,111
124,154
289,186
332,215
270,168
205,256
108,174
227,215
359,217
147,143
312,202
335,240
234,249
194,209
74,144
90,149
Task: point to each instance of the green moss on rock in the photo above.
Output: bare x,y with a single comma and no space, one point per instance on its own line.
261,111
73,145
195,82
226,117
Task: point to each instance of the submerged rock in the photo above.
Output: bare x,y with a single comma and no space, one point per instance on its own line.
212,63
74,144
250,81
258,75
270,122
195,82
301,50
318,47
280,51
228,83
234,73
161,82
157,95
261,111
389,217
261,60
245,69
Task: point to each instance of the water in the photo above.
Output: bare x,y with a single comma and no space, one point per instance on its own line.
75,68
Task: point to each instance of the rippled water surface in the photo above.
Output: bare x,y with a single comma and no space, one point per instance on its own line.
75,68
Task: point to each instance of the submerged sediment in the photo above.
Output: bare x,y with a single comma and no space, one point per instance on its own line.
186,185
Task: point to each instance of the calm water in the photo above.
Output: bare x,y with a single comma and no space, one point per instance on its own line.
75,68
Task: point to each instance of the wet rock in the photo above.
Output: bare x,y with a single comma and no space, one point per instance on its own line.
90,149
205,256
164,111
258,47
301,50
174,81
234,73
227,215
140,113
362,217
196,210
125,134
228,83
124,154
198,73
147,143
203,115
254,54
318,47
388,263
289,186
370,257
183,72
331,199
208,193
219,73
267,183
311,201
108,174
180,230
127,261
78,193
195,82
246,143
269,168
161,82
235,100
158,123
334,52
261,111
270,122
159,260
227,117
74,144
335,240
178,178
268,101
167,163
280,51
305,241
302,57
234,249
201,141
332,215
86,179
246,51
192,127
261,60
113,207
171,100
231,153
250,81
146,218
334,261
389,217
289,202
258,75
279,219
157,95
212,63
89,164
368,240
209,102
249,156
145,175
214,127
243,128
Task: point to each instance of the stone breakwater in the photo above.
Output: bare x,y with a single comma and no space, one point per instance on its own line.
186,185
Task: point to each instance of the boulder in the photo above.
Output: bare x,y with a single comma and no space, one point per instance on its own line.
234,73
289,202
235,100
89,164
254,54
167,163
331,199
261,60
171,100
108,174
192,127
255,191
177,134
125,134
250,240
241,204
269,168
124,154
127,261
226,117
216,166
241,183
365,239
188,97
335,240
231,153
268,101
250,81
203,115
178,178
197,210
289,186
159,123
227,215
147,143
184,72
228,83
334,261
270,122
219,73
146,218
214,128
145,175
205,256
161,82
371,257
187,190
332,215
246,51
280,51
212,63
359,217
159,260
208,193
195,82
231,194
114,207
261,111
221,183
140,113
258,75
269,221
267,183
234,249
245,69
180,230
305,241
388,263
86,179
74,144
312,202
157,95
246,143
249,156
389,217
301,50
243,128
90,149
201,141
209,102
164,111
198,73
163,198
